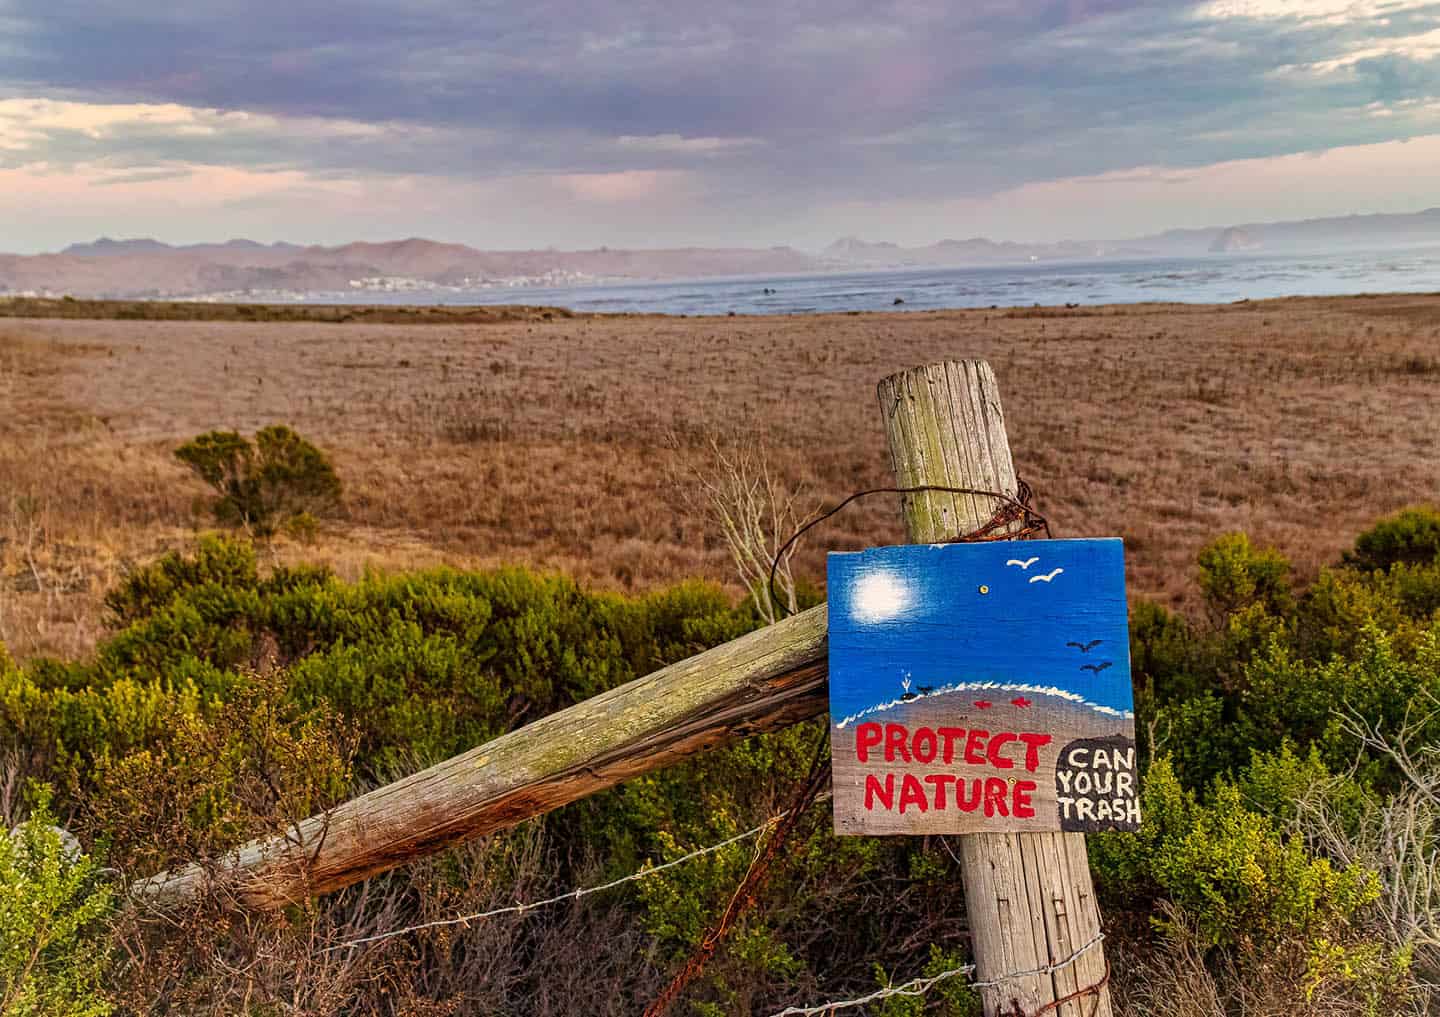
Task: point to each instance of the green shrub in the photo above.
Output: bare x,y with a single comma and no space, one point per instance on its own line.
279,478
1229,869
950,998
53,912
211,779
1235,575
1411,537
216,665
146,590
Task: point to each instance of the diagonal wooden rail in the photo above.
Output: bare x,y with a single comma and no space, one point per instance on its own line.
762,681
1029,897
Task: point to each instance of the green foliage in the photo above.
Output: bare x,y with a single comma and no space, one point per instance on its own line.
53,910
1271,666
280,479
210,780
216,562
1376,980
1410,537
1276,782
1228,868
1235,575
950,998
420,667
230,699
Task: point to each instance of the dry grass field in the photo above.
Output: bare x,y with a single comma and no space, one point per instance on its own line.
557,442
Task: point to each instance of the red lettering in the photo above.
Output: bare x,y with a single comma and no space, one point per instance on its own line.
895,743
949,735
939,780
911,793
992,753
974,801
922,737
995,792
974,751
1023,809
874,790
1033,744
867,736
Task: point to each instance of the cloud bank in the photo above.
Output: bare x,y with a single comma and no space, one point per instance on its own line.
748,119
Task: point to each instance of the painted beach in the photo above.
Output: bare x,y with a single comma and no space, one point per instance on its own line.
985,756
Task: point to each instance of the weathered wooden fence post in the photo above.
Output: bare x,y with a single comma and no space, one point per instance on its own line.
1028,896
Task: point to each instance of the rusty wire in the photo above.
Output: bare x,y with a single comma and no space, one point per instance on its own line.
1016,508
747,892
1095,989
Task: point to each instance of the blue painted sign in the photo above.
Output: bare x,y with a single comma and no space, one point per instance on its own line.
981,687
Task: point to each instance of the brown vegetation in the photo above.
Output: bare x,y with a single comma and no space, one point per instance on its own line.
552,442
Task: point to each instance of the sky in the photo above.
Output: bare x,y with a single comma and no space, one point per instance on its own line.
925,620
581,123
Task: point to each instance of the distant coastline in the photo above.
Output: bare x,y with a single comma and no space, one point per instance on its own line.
1069,288
436,272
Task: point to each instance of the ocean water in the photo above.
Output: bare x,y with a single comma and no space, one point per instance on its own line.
1210,279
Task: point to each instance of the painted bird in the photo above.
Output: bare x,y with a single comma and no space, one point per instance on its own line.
1086,647
1097,668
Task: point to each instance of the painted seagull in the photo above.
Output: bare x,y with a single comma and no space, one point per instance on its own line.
1097,668
1086,647
1023,564
1047,578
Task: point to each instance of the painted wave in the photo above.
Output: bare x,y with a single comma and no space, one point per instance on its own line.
1039,690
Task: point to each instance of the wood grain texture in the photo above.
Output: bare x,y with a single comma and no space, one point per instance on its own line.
1028,896
765,680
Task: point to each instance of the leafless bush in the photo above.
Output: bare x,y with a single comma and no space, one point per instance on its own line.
1173,981
1399,840
583,957
745,499
1182,977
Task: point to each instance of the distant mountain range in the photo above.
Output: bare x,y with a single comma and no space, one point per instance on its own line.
244,269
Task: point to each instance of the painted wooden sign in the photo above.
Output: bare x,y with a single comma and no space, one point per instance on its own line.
981,687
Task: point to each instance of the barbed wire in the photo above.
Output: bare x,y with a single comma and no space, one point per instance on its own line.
569,895
747,892
914,988
920,986
1013,508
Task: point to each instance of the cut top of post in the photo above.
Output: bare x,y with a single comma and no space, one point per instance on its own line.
923,452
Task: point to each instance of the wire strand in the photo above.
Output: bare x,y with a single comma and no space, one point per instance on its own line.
570,895
1016,508
920,986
